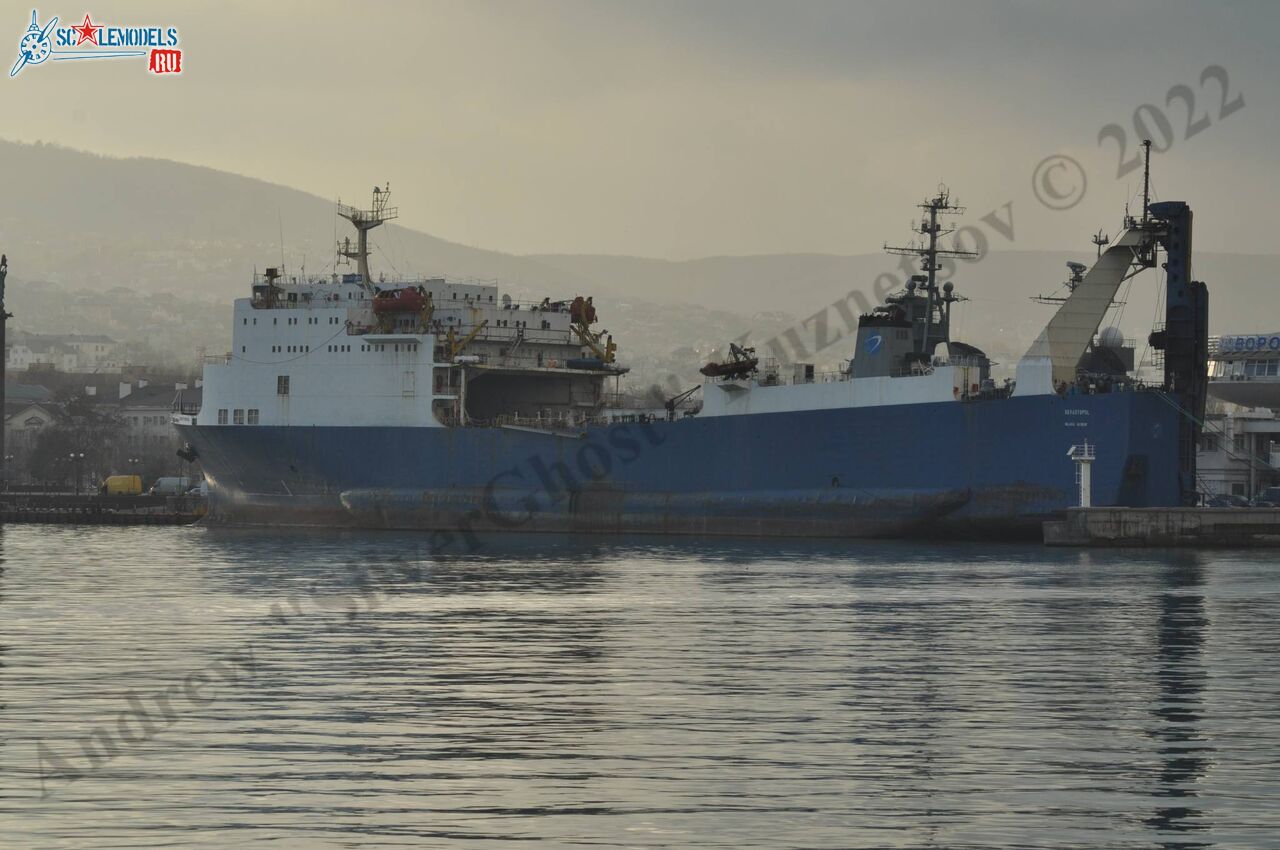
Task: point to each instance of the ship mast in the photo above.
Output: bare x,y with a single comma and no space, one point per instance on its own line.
364,221
4,321
929,252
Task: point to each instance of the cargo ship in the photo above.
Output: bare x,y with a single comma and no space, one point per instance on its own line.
451,407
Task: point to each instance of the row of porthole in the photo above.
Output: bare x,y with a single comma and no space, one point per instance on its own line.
333,320
304,349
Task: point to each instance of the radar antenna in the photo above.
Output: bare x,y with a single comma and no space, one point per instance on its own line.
1076,278
364,221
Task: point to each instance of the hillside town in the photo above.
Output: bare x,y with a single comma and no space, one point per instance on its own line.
75,412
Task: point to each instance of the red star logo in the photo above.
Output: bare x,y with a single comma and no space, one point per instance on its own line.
88,31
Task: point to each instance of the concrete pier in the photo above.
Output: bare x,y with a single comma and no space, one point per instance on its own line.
67,509
1195,527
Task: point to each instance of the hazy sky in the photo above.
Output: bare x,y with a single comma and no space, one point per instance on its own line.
688,129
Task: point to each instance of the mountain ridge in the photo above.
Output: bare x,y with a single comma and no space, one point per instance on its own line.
91,223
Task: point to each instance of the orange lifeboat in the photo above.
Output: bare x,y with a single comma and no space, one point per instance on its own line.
398,301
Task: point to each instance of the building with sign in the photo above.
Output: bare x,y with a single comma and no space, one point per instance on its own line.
1244,369
1240,448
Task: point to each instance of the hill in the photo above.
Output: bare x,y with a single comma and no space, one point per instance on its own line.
153,250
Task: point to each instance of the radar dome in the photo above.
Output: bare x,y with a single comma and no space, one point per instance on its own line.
1111,338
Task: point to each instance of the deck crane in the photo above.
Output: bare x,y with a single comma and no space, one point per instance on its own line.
456,345
671,403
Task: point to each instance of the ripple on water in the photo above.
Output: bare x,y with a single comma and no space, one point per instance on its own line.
181,687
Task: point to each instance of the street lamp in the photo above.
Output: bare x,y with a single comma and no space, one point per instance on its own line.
8,465
77,458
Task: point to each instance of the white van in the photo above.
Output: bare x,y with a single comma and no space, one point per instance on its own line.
170,485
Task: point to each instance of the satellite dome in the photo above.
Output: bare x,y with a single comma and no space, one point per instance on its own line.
1111,338
948,287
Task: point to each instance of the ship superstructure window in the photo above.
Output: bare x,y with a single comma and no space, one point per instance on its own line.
222,416
253,416
282,385
237,416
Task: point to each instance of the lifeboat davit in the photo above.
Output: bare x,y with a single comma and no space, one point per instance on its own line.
398,301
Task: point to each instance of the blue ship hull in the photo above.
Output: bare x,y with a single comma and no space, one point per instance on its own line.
988,468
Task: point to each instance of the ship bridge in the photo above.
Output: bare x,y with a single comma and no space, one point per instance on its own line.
345,349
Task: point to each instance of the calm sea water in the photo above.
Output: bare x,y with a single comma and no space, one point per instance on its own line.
205,688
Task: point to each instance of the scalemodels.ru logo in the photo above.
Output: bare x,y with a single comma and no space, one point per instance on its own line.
42,42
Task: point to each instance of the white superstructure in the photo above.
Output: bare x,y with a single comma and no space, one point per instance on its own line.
345,351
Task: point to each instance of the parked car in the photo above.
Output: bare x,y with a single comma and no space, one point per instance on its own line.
170,485
201,490
121,485
1268,498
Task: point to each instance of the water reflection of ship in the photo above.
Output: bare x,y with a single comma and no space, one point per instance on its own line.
1178,714
400,564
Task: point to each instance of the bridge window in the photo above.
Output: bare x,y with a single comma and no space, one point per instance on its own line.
237,416
253,416
282,385
222,416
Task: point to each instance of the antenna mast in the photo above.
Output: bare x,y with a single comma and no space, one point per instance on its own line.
929,252
364,221
1100,239
1146,181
